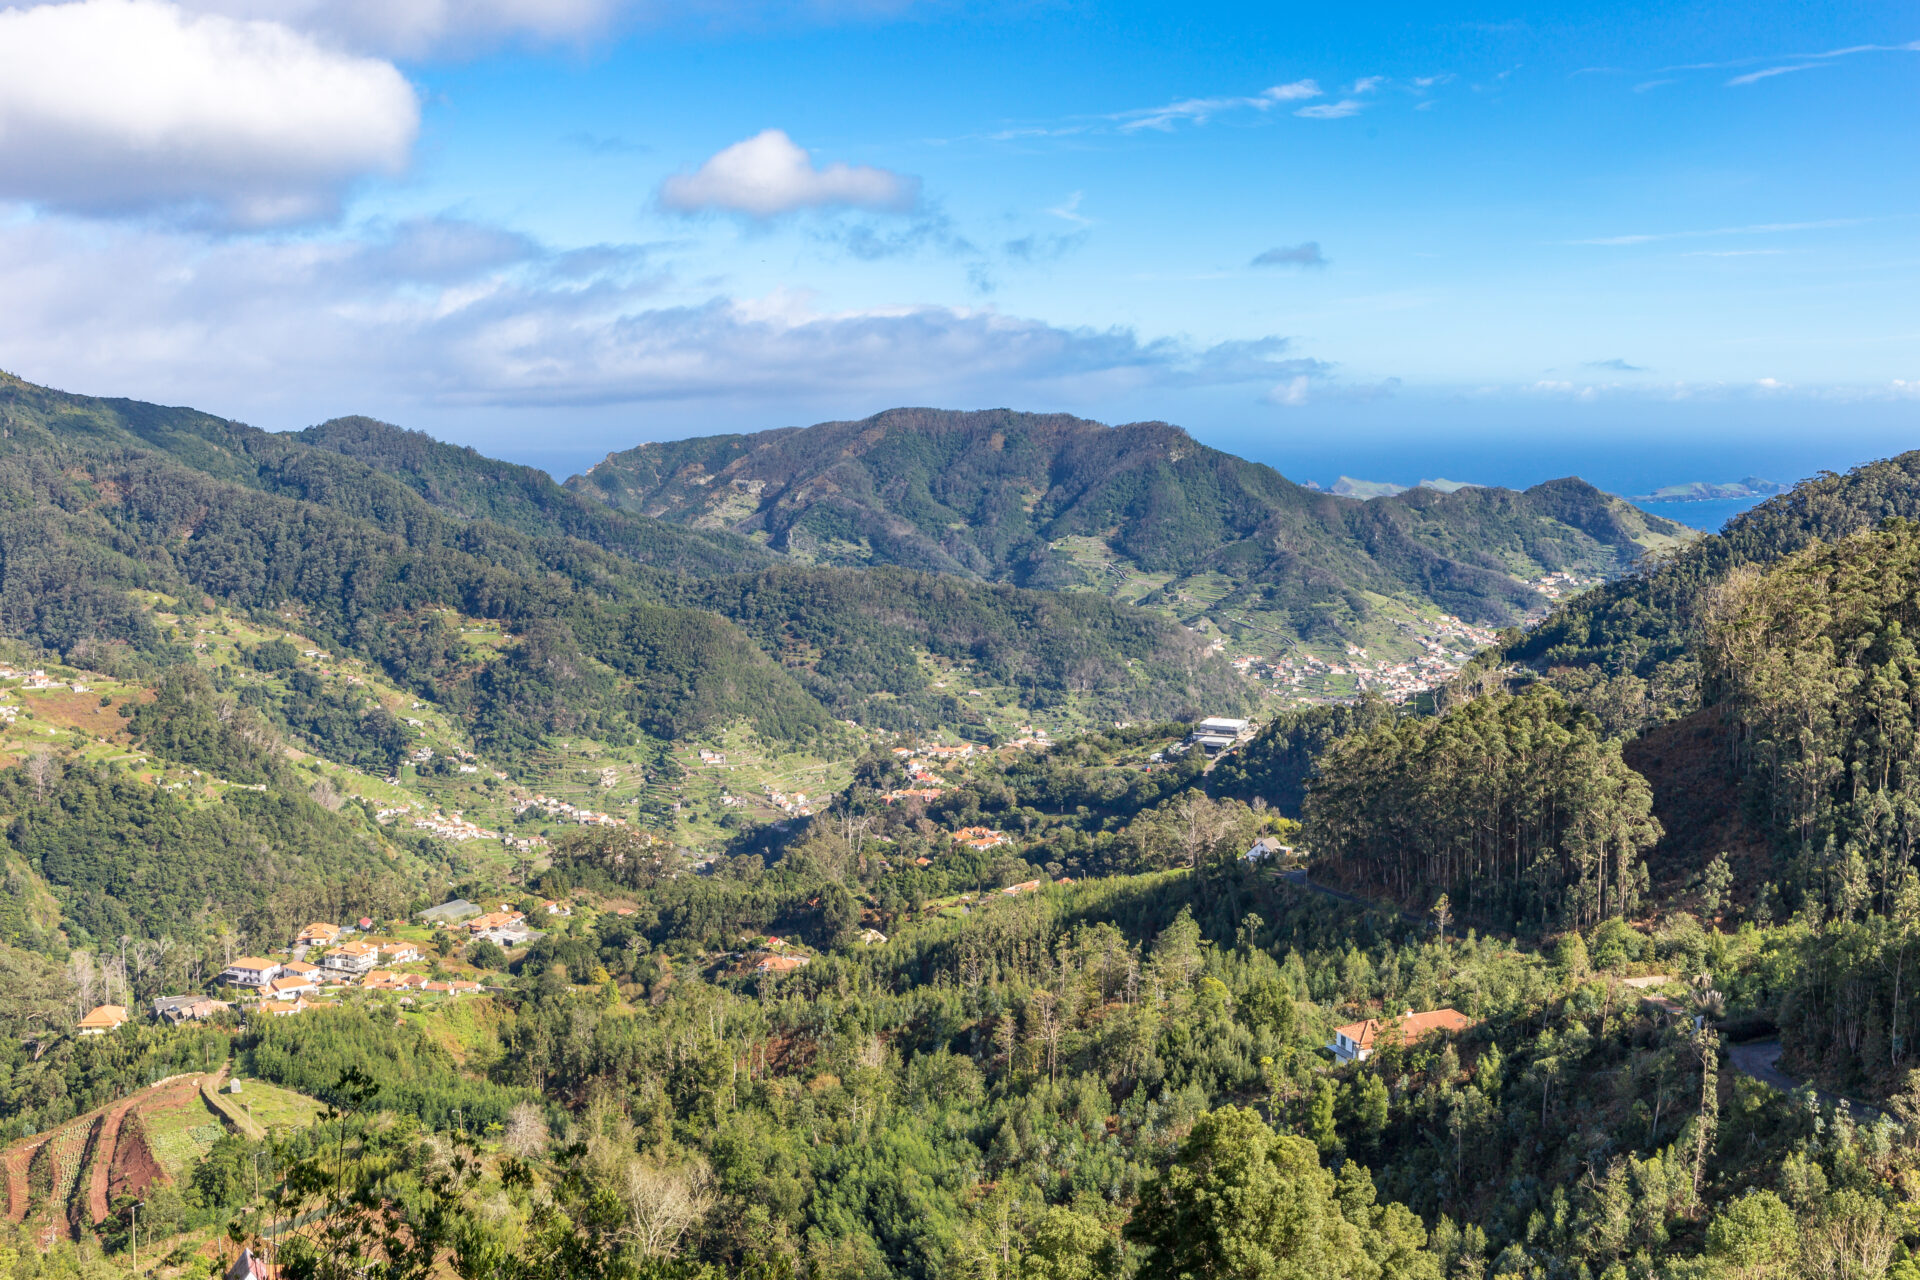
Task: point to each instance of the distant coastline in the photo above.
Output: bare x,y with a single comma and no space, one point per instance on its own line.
1706,514
1706,491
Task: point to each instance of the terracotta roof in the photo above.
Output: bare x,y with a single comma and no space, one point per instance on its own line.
1413,1026
254,962
107,1015
494,920
782,964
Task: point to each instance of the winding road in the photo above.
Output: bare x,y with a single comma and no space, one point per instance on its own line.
1760,1059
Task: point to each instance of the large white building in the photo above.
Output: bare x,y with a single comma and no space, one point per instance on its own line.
1217,733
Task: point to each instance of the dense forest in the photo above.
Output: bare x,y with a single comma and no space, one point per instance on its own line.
1515,806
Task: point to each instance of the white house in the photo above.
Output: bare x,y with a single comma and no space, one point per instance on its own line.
354,957
1266,847
251,971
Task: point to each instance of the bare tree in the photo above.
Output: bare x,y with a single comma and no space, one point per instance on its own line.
326,795
663,1203
526,1135
42,773
85,979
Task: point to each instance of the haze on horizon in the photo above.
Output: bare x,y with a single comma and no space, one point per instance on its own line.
1498,245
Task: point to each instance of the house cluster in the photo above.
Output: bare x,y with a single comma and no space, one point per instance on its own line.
39,679
712,757
1357,1041
454,827
922,782
505,927
1445,644
981,838
566,811
1561,584
794,806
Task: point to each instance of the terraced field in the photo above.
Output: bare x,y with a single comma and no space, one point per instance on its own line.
61,1183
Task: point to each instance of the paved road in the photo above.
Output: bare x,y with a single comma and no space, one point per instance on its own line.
1761,1060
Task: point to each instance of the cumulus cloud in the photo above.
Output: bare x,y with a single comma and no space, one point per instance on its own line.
1305,254
453,314
769,174
421,28
112,106
413,27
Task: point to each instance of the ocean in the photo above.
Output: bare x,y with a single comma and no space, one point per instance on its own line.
1708,515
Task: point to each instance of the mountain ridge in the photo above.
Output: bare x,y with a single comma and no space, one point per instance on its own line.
1139,511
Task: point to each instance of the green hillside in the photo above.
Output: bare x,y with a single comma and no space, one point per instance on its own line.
887,928
1653,617
1140,513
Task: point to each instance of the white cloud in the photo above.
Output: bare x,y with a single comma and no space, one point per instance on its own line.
1332,110
1367,84
1069,210
1760,228
1754,77
450,314
769,174
420,28
1200,110
410,28
1292,393
128,105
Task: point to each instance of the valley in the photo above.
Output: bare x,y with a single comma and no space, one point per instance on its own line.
544,861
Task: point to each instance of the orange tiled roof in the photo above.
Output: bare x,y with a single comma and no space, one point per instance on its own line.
107,1015
494,920
1412,1026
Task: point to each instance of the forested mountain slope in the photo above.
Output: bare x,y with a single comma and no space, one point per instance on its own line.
1140,512
113,495
1654,616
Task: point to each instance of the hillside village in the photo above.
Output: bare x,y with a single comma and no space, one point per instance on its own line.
1443,645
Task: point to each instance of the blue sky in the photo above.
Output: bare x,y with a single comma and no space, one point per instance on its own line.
1497,243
